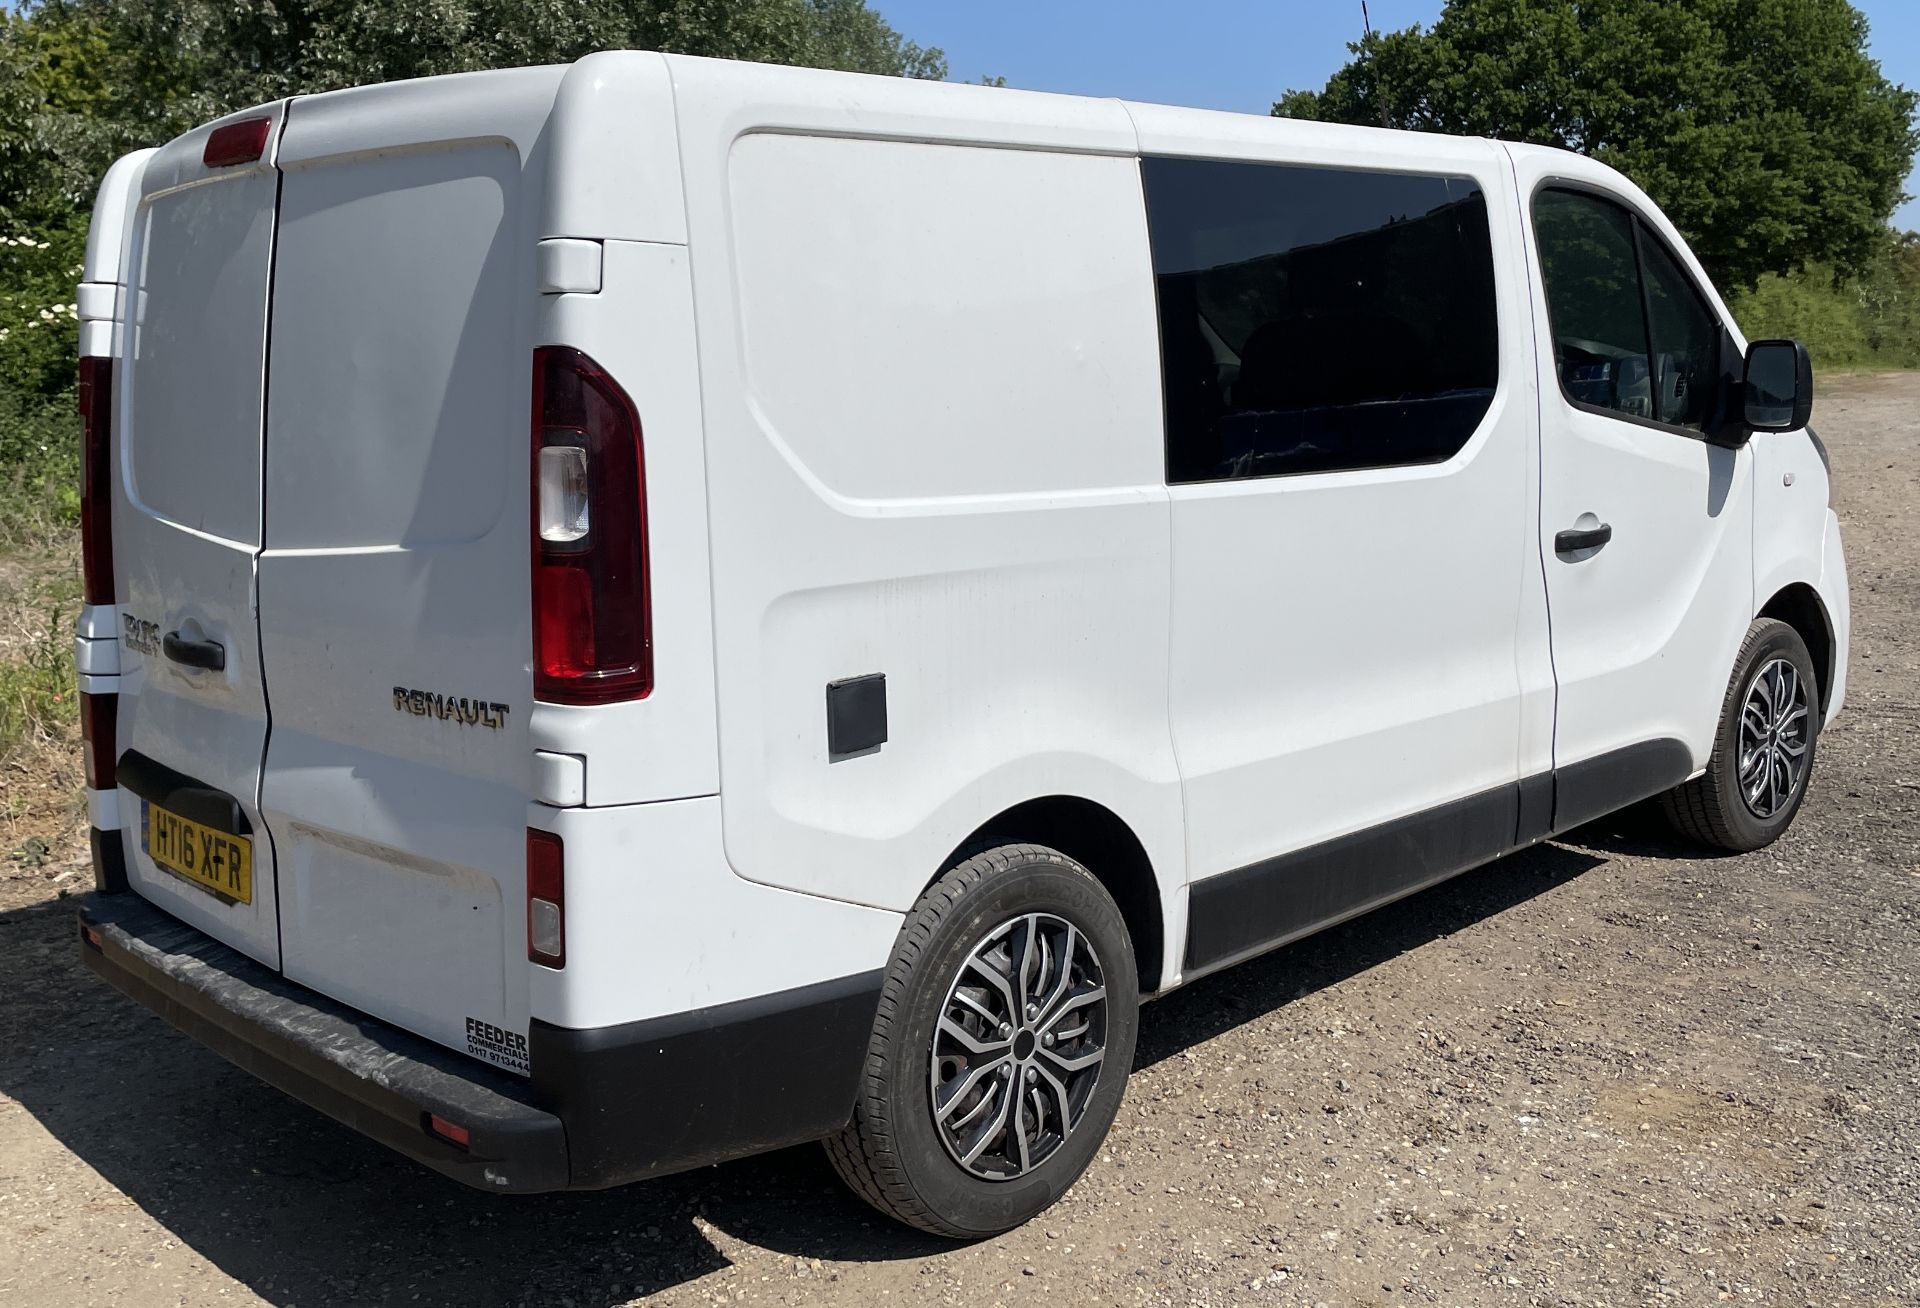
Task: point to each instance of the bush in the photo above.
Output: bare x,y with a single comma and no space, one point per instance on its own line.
37,699
1871,321
39,469
39,341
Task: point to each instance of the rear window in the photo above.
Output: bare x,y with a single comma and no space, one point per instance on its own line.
1318,319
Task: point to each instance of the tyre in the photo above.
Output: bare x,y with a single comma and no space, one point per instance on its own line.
1001,1049
1763,752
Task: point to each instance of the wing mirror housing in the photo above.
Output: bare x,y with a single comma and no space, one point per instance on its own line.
1779,386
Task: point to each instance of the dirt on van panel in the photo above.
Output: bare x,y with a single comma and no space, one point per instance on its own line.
1608,1071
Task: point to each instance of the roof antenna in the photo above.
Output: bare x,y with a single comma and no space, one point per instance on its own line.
1366,22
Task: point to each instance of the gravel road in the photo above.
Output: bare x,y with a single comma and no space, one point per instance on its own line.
1606,1071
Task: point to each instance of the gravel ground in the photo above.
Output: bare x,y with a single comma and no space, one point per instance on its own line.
1606,1071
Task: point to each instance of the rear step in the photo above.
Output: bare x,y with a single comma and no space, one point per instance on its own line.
410,1094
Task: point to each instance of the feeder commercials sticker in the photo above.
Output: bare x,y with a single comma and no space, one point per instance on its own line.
506,1049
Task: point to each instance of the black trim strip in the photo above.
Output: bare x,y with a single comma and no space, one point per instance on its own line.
1598,786
1248,911
377,1079
1536,809
180,794
109,861
1281,899
671,1093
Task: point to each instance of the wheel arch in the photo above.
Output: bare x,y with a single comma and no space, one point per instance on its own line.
1097,838
1799,606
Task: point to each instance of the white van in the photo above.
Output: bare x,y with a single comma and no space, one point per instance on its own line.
658,609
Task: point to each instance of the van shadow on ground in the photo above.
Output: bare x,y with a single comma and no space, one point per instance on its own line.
303,1211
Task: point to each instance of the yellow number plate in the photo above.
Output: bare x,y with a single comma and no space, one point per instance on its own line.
212,860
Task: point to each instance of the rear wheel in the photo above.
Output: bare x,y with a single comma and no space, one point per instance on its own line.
1001,1049
1763,753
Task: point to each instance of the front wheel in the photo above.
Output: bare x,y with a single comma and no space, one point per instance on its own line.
1001,1049
1763,752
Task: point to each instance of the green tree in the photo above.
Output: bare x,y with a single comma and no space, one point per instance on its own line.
1760,126
82,81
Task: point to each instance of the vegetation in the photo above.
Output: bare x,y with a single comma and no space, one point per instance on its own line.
37,700
1761,127
84,81
1868,321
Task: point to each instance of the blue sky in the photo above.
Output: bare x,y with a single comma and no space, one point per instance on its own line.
1224,54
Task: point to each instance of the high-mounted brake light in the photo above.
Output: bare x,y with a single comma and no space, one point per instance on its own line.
99,725
592,631
546,899
236,143
96,498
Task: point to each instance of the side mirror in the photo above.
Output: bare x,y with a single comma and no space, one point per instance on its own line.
1779,386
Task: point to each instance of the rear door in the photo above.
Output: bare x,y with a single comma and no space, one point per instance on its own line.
192,723
394,609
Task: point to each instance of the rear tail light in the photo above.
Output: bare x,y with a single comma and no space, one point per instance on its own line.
546,899
236,143
99,722
96,498
452,1132
592,637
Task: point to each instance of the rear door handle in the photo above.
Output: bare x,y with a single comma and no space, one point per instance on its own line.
1584,538
208,654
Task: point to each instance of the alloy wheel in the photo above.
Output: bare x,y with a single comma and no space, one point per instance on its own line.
1775,730
1019,1045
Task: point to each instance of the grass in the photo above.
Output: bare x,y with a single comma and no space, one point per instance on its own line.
42,802
39,595
38,703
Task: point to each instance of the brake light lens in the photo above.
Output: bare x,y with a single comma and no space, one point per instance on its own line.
96,488
236,143
592,631
546,899
99,723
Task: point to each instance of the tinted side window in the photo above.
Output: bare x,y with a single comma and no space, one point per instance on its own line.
1686,339
1593,301
1609,283
1316,319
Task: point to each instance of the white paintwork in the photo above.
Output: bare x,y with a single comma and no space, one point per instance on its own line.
1796,538
559,780
658,874
1373,649
1837,598
970,499
396,552
894,350
103,809
186,501
100,301
640,329
1644,631
568,265
96,658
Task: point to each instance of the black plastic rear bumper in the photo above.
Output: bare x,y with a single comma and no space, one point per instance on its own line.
603,1107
